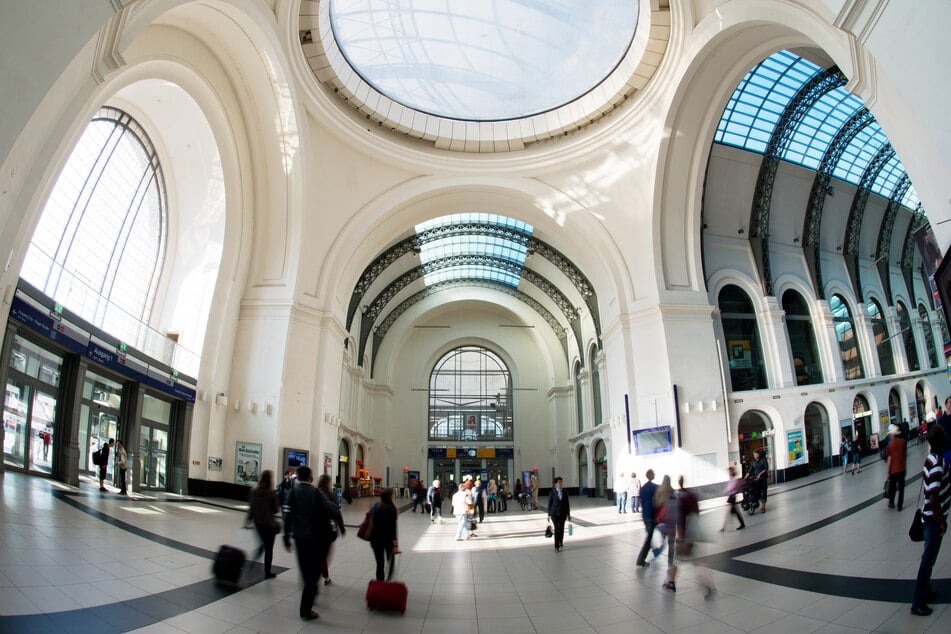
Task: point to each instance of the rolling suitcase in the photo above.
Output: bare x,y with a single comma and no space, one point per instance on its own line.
387,595
229,562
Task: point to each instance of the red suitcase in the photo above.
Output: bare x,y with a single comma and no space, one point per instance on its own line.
387,595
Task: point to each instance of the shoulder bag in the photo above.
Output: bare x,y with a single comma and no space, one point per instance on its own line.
916,532
365,530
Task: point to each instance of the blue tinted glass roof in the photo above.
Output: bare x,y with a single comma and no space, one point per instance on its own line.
472,244
750,118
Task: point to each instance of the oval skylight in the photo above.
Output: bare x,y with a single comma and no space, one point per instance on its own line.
487,60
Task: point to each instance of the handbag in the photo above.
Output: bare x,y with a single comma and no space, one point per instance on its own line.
548,531
885,489
365,530
917,531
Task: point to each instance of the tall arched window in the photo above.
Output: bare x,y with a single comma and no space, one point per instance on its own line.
470,397
747,370
929,336
579,405
883,345
908,337
100,243
802,340
595,385
845,333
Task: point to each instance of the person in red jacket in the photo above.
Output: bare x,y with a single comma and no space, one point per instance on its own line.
895,466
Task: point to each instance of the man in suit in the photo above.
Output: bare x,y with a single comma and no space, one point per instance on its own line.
648,515
559,510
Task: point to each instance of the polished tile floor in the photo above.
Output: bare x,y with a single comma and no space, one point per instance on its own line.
826,557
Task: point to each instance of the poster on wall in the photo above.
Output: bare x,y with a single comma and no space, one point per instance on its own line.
328,463
739,350
247,462
797,454
214,464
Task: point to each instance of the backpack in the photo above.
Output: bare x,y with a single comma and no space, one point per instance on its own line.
97,457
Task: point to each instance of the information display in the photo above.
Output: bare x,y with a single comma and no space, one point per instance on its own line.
652,440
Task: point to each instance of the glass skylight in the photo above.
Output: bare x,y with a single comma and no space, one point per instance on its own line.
486,60
474,244
751,116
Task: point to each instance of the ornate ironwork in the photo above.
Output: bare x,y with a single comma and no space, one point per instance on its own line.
884,245
560,331
812,224
413,244
853,227
810,92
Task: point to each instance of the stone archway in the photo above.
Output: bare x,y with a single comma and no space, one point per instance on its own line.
818,442
601,469
582,470
343,464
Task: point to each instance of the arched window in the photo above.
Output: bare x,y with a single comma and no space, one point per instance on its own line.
579,405
595,386
845,333
908,337
883,345
929,336
747,370
802,340
100,243
470,397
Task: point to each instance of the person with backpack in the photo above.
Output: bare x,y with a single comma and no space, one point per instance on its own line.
103,462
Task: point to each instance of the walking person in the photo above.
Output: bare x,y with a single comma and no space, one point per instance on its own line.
844,450
634,493
104,463
620,492
856,457
307,514
504,495
263,507
434,499
533,487
419,499
934,517
479,499
122,462
648,515
384,540
461,511
324,486
559,510
895,467
733,487
493,491
759,473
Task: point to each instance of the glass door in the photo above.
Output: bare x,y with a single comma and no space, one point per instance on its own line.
42,415
28,416
15,414
153,457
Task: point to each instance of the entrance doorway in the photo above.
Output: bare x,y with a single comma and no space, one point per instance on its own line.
862,422
153,456
752,430
601,469
817,437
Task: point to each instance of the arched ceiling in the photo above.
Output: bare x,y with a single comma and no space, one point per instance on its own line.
475,250
791,110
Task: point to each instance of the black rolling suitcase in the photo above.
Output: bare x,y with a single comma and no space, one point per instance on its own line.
229,562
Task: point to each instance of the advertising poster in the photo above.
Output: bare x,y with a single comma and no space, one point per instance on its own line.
739,351
328,463
797,453
214,463
247,462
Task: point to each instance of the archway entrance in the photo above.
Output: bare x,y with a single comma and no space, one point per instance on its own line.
582,470
862,422
343,464
816,421
752,430
894,407
921,404
601,472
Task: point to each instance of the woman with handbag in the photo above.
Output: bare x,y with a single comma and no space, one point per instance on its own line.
383,539
261,512
336,523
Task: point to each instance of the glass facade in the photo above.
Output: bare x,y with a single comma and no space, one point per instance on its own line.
470,397
883,344
845,334
744,351
30,406
802,340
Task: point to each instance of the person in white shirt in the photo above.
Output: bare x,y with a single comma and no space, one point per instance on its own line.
461,502
634,493
620,492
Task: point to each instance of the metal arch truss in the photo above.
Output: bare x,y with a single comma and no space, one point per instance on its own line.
853,227
812,223
810,92
376,307
908,251
582,284
883,250
560,331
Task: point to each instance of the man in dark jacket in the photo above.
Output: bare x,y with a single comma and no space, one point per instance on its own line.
104,462
307,513
559,510
649,516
